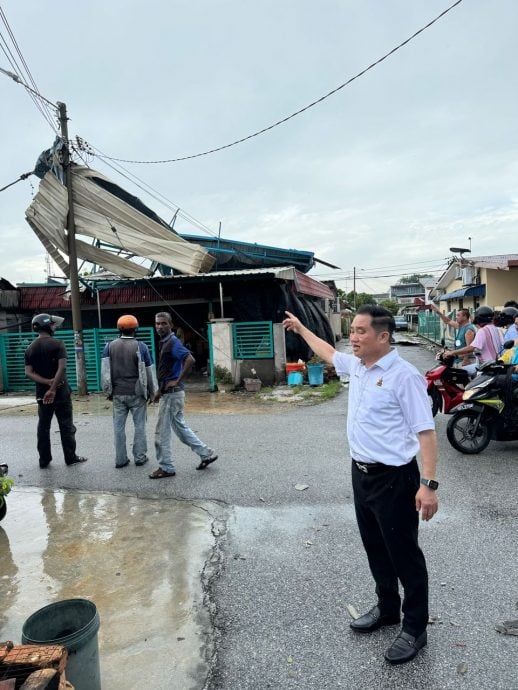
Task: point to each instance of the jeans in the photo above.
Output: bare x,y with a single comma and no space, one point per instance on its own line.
170,418
62,408
137,405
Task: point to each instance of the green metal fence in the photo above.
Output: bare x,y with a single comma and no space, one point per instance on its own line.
253,340
431,327
13,346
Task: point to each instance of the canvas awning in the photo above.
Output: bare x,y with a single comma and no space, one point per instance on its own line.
473,291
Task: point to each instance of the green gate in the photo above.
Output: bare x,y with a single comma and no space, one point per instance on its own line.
13,346
253,340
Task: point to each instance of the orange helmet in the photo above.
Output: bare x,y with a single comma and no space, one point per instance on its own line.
128,322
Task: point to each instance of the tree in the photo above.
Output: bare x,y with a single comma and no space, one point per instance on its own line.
361,298
414,278
389,304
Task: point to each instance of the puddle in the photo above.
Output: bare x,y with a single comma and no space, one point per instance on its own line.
138,560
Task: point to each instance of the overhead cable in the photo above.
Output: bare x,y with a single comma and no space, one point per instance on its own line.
22,177
297,112
39,101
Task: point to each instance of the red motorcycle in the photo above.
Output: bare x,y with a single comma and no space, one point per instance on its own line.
446,384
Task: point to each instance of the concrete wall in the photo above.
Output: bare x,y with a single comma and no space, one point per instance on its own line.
501,286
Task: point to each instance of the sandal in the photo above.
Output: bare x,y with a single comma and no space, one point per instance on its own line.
160,474
205,462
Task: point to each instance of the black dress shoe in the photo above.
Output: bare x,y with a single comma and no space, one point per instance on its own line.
373,620
405,647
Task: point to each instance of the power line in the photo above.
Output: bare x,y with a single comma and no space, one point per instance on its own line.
24,176
26,66
301,110
39,101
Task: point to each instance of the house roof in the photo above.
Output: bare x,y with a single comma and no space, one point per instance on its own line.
43,297
501,262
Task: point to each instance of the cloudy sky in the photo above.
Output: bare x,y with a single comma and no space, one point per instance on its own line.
416,156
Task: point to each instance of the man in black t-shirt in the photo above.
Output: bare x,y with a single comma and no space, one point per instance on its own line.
45,364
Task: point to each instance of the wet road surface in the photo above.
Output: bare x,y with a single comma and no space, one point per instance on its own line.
138,560
291,560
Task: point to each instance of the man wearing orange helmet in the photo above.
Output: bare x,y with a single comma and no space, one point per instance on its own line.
128,378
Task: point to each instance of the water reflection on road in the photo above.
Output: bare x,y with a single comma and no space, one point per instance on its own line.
138,560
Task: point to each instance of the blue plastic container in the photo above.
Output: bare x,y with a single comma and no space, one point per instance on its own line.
295,378
315,374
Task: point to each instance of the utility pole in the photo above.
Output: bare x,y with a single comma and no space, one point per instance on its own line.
354,288
75,298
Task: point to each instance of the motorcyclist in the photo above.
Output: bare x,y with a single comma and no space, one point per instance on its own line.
488,341
507,319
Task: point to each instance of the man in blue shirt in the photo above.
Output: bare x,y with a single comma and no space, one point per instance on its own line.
175,362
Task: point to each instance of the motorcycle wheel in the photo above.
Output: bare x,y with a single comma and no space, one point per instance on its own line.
462,436
435,400
3,508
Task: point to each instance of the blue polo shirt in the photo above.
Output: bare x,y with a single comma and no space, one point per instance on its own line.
171,359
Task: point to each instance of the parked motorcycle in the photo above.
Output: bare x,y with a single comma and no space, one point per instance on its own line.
446,384
6,485
489,410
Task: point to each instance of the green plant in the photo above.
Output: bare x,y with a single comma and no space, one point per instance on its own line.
315,360
6,485
223,375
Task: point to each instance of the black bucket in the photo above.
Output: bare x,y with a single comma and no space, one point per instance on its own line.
73,624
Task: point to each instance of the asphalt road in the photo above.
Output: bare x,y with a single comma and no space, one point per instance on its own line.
288,562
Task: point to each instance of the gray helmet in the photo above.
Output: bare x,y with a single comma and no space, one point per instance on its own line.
46,322
483,315
507,316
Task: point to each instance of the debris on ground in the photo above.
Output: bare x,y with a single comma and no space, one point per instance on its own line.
507,627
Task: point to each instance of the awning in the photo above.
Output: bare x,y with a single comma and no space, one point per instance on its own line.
473,291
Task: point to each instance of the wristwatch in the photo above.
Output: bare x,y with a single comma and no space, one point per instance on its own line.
430,483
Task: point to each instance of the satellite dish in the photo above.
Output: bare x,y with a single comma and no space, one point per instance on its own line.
459,250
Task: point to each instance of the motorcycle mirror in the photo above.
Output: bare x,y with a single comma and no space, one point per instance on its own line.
508,344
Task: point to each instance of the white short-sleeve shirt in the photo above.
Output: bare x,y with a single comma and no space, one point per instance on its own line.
388,407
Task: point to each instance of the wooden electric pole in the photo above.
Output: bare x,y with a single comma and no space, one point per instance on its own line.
75,297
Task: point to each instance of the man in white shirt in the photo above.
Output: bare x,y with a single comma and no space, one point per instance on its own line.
389,420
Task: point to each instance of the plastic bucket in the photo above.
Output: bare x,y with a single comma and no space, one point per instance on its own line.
315,374
295,378
73,624
294,366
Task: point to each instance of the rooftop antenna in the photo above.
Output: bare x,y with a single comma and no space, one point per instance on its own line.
460,250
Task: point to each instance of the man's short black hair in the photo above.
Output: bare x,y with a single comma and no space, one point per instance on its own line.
465,312
164,315
511,303
382,319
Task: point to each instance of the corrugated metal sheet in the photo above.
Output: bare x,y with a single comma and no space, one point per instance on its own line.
106,217
309,286
46,298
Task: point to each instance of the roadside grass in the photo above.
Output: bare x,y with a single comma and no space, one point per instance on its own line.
302,393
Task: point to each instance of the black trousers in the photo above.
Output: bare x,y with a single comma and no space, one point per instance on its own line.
384,499
62,408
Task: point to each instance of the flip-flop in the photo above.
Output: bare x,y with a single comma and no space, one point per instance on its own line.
160,474
206,462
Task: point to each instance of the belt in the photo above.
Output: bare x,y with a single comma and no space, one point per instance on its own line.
371,467
367,467
176,389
